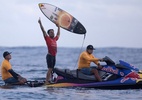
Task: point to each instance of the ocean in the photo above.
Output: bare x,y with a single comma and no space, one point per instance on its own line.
30,62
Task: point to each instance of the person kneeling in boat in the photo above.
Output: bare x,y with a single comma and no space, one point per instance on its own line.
8,75
85,59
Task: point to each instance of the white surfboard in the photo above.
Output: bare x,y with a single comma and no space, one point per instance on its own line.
66,21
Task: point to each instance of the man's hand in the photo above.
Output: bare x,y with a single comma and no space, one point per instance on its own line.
22,80
101,60
57,24
100,67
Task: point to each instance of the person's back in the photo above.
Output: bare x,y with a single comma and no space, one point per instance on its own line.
4,69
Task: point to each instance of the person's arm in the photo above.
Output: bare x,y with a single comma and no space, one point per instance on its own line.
14,74
58,30
17,76
92,59
42,28
97,62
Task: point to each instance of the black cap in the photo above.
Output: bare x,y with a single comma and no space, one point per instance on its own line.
90,47
6,53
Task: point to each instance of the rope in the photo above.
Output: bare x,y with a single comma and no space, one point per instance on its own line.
80,51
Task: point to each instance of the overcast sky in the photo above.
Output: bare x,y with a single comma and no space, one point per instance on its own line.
109,23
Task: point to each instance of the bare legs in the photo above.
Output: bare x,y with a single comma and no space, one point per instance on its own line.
48,75
96,74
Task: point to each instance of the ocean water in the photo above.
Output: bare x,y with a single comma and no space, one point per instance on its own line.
30,63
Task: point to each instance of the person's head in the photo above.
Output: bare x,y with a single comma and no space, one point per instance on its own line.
90,49
51,33
7,55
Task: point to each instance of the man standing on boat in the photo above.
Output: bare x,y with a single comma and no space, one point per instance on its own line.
50,39
85,59
8,74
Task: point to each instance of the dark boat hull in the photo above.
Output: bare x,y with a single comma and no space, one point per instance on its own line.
106,86
73,78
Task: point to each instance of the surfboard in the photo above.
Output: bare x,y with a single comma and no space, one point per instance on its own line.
65,20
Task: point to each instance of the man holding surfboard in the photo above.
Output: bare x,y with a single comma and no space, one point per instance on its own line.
50,40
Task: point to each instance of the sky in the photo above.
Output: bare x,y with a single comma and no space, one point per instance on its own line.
109,23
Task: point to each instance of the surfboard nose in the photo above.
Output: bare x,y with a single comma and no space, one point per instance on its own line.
79,29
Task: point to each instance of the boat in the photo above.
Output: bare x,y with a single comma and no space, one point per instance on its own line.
115,76
31,83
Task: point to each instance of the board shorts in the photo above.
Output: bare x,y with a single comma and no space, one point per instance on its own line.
50,61
87,71
11,80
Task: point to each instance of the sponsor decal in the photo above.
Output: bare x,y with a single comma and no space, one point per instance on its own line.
132,75
42,6
110,69
121,73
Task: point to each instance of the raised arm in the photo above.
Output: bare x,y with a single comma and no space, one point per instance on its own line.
42,28
58,30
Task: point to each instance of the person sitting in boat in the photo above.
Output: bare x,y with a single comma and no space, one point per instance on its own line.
7,73
85,59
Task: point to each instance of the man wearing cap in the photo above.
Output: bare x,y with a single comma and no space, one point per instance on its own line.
85,59
8,75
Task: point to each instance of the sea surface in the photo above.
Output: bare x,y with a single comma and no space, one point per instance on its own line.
30,63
